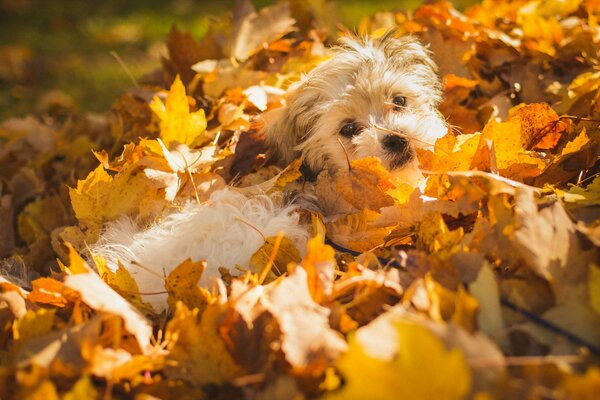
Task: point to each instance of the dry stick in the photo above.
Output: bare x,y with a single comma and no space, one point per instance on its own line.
345,152
251,226
137,264
402,135
269,265
125,68
588,178
584,119
143,293
524,361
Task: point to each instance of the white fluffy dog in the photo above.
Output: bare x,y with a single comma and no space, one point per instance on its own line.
379,97
374,97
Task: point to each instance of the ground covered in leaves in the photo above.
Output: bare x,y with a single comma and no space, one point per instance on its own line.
482,282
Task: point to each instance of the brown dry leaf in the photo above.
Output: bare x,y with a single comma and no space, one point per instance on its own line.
365,184
358,231
309,344
101,297
257,29
198,347
456,91
62,346
182,285
185,51
51,292
540,126
547,240
285,253
319,264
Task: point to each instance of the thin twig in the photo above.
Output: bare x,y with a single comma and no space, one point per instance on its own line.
137,264
345,152
251,226
267,268
125,68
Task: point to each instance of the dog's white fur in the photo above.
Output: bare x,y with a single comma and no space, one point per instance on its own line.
220,231
357,84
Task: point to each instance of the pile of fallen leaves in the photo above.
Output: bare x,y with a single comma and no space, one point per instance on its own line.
483,282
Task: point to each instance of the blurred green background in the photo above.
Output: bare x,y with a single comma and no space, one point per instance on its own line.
59,51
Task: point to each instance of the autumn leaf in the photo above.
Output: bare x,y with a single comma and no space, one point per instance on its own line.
98,295
101,198
182,285
51,292
365,184
308,342
407,371
177,123
198,347
280,250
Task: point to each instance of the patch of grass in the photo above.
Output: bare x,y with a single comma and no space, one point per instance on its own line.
70,42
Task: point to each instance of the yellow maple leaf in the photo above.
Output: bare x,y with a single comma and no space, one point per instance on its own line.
177,123
100,198
77,265
120,280
182,285
434,236
286,252
512,160
422,369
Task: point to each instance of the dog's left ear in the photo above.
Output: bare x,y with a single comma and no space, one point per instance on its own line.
286,127
407,47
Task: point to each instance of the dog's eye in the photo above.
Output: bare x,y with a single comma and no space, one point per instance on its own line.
349,129
399,102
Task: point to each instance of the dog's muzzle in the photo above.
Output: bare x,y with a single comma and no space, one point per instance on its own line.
398,149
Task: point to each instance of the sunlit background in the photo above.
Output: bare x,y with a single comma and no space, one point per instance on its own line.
82,54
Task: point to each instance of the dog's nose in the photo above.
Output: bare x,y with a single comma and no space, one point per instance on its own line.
395,143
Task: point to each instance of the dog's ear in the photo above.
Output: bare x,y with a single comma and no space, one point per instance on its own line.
277,132
286,127
407,47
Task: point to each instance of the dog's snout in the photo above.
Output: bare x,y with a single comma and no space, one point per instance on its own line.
395,143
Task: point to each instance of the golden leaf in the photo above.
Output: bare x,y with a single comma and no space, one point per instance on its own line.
421,369
100,198
286,253
182,285
365,184
177,123
198,347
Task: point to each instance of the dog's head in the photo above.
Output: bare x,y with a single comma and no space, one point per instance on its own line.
374,97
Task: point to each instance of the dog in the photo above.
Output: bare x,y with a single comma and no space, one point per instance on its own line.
373,97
